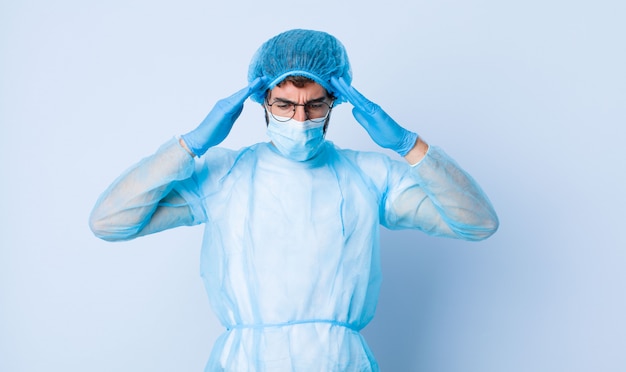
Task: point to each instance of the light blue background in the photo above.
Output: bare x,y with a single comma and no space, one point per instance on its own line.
529,96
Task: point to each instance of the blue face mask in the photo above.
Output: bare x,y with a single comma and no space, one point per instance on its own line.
296,140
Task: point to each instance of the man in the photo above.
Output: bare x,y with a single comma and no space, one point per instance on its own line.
290,257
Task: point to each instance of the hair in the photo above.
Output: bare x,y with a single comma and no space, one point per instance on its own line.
297,80
300,81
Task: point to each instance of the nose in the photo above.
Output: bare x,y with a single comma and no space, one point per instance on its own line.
300,114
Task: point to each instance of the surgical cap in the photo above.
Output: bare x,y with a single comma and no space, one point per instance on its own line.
312,54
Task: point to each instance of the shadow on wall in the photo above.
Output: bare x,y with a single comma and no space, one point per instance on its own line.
405,334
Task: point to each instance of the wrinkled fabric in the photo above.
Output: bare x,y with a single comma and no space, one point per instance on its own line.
290,257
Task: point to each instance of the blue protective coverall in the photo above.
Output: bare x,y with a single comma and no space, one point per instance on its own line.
290,257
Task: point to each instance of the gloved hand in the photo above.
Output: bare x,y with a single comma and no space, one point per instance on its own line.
380,126
218,123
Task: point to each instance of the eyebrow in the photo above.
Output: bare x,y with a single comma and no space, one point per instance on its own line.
321,99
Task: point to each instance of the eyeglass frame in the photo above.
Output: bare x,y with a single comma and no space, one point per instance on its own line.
295,105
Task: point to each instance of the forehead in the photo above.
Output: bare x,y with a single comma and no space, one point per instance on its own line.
291,92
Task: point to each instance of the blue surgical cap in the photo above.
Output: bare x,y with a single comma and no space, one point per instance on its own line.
312,54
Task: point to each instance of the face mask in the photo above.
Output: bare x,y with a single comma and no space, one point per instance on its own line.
296,140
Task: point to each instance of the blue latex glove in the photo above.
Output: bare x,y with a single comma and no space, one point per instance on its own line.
218,123
380,126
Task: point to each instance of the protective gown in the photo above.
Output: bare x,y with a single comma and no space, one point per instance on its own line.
290,257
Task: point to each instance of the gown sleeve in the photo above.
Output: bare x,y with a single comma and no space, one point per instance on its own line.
143,200
439,198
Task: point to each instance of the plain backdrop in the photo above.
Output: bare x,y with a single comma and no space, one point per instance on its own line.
528,96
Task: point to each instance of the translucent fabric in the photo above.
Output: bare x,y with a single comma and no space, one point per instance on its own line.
290,257
313,54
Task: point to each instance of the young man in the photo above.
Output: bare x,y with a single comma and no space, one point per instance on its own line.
290,257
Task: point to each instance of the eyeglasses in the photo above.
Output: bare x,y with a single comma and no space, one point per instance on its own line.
316,111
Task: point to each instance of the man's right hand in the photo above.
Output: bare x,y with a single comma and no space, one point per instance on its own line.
218,123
